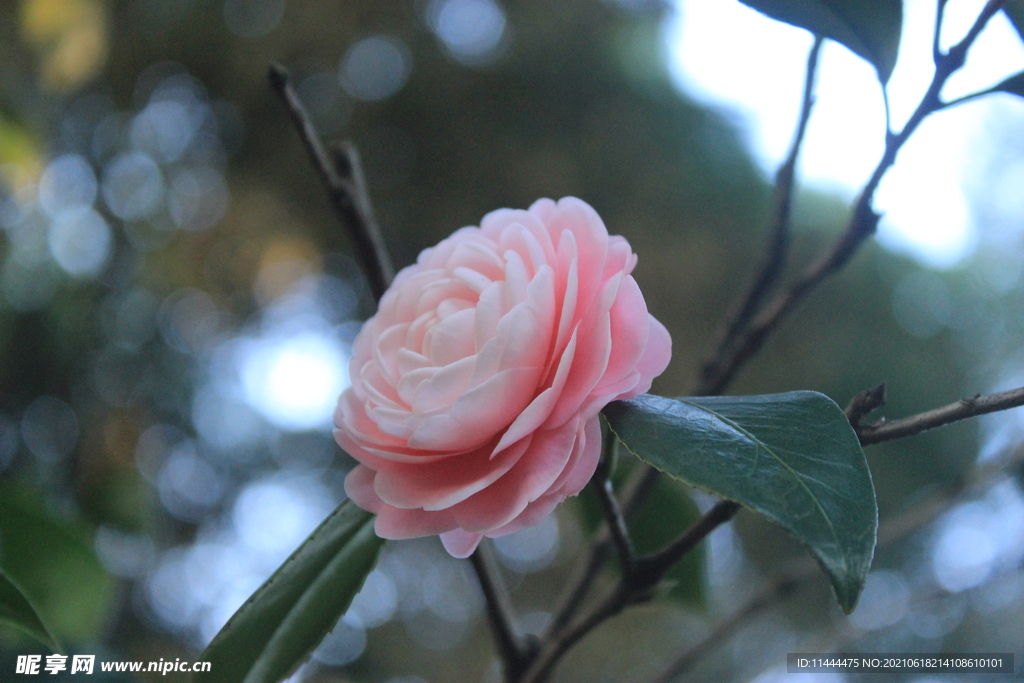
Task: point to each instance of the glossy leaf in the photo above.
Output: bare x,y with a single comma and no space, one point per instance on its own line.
1015,11
791,457
1013,85
16,610
871,28
287,617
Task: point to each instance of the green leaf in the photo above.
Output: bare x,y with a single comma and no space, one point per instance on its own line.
871,28
791,457
1015,11
1013,85
287,617
16,610
53,563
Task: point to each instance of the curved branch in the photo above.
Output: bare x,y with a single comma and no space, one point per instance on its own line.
863,223
778,248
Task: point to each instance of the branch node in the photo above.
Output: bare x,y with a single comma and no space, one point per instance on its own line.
863,403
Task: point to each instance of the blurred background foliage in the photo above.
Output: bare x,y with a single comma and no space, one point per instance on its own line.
176,300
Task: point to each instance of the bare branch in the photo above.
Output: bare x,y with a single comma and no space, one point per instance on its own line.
961,410
651,569
779,589
891,530
342,175
778,249
863,403
610,505
863,223
499,613
936,36
631,588
731,357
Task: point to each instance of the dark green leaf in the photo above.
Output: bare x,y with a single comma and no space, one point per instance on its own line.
871,28
1013,85
791,457
283,621
1015,11
15,609
53,563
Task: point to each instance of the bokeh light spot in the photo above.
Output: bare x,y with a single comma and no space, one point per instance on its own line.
80,242
471,29
294,380
375,68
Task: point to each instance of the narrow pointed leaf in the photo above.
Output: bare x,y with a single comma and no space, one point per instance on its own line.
791,457
16,610
287,617
871,28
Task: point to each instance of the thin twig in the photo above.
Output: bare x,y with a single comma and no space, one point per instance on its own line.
940,10
780,588
640,484
610,504
342,176
631,588
730,358
778,248
499,613
890,531
863,223
961,410
863,403
650,569
580,584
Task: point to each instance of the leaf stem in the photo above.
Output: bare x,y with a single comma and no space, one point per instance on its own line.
342,176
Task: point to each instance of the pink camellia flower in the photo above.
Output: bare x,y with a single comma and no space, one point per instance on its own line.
473,408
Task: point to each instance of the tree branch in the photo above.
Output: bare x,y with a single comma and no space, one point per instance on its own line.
500,614
631,588
864,402
732,356
342,175
891,530
610,504
863,223
961,410
652,568
940,10
778,248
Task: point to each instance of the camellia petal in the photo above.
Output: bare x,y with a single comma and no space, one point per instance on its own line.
476,387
